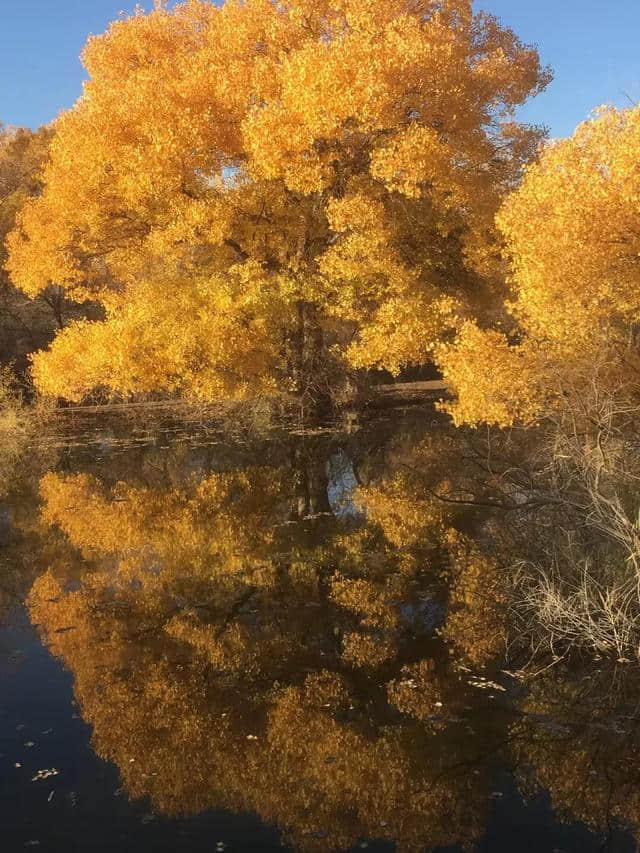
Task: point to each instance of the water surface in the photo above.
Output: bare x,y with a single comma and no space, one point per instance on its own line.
285,643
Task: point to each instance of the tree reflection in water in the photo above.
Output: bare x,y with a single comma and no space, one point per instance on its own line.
317,638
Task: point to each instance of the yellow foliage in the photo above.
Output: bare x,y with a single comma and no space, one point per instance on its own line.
418,692
367,650
477,622
231,168
572,229
216,526
144,347
572,233
373,602
495,382
23,154
405,513
200,636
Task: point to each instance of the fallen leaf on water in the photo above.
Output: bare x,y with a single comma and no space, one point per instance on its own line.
45,774
486,685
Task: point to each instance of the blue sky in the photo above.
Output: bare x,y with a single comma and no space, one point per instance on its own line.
591,44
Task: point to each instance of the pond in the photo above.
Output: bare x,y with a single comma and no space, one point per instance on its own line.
285,643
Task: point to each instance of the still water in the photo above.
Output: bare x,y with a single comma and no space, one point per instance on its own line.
284,644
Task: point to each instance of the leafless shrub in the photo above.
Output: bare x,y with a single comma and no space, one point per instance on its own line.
579,609
582,589
16,427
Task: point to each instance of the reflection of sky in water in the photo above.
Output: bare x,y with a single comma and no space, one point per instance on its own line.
423,616
341,486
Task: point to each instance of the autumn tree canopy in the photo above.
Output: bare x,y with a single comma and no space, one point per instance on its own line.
253,189
25,324
572,231
22,157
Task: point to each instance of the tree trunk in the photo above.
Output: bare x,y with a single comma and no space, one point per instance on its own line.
309,368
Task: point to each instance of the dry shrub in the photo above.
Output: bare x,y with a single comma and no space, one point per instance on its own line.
584,589
19,424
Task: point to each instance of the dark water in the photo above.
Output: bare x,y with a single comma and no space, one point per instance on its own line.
290,644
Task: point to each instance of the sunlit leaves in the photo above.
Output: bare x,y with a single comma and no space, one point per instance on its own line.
572,231
227,168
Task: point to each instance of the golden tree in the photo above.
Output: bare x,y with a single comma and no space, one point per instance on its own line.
22,157
251,189
573,232
25,324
